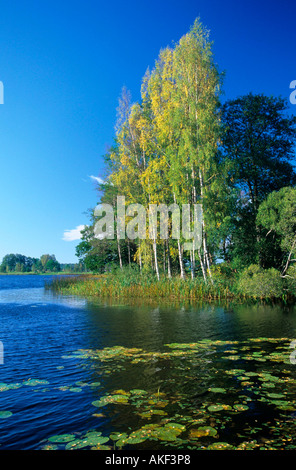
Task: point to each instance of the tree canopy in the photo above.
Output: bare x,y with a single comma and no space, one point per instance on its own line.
180,145
25,264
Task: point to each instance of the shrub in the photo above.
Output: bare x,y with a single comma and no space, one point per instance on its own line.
290,280
261,283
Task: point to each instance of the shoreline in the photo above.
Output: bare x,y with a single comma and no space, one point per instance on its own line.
114,287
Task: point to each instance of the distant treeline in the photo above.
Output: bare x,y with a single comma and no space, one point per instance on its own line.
46,263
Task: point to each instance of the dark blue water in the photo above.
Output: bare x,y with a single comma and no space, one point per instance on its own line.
38,329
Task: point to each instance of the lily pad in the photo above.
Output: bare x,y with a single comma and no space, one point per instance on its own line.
121,399
95,384
137,391
202,431
216,408
33,382
4,386
240,407
5,414
276,395
220,446
89,440
62,438
116,436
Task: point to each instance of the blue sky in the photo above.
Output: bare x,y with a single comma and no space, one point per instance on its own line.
63,65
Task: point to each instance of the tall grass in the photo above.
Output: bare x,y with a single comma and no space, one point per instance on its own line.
131,284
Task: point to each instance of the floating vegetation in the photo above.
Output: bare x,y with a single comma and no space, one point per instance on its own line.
34,382
240,407
210,395
119,399
202,431
93,440
247,374
62,438
4,387
5,414
90,439
220,446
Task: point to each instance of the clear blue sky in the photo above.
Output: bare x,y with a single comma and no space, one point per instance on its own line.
63,64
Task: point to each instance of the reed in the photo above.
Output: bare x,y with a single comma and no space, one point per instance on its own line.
130,283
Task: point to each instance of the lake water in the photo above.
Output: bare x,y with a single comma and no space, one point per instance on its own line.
151,376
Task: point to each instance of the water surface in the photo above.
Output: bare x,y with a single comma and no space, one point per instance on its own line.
48,389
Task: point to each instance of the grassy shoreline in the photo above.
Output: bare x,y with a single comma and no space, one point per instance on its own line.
133,285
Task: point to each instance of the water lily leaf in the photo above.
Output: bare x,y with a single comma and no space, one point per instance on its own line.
79,383
275,395
268,385
202,431
134,438
166,435
217,390
235,372
62,438
5,414
216,408
4,387
177,427
116,436
122,442
101,447
220,446
149,413
121,392
76,444
118,399
95,384
89,440
136,391
240,407
251,374
33,382
182,345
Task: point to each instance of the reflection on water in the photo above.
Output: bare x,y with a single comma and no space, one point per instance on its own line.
39,297
49,390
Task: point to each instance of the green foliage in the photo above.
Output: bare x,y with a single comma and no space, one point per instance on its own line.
179,145
259,283
258,144
49,263
223,272
290,280
130,283
259,140
24,264
277,214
